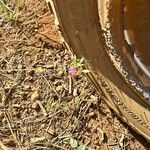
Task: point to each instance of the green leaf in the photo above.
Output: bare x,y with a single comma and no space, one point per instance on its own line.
39,70
73,143
81,60
83,147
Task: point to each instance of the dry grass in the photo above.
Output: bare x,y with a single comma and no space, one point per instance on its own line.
42,106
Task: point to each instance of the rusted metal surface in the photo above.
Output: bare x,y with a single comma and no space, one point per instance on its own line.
138,20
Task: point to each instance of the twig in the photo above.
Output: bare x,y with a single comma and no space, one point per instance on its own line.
121,141
42,108
3,74
50,86
3,146
12,87
102,135
57,146
4,5
14,136
70,84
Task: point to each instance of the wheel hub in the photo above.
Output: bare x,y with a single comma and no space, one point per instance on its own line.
137,31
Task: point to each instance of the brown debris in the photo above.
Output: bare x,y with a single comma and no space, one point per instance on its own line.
41,105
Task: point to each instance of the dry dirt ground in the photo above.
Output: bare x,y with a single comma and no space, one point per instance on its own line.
42,104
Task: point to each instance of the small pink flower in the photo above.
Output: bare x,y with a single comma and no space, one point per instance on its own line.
73,71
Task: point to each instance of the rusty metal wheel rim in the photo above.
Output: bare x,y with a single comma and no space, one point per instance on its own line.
108,10
135,25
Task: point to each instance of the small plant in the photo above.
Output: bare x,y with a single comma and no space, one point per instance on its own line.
76,146
8,12
71,65
5,10
73,143
77,66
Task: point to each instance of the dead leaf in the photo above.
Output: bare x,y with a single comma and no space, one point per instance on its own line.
35,140
51,131
35,95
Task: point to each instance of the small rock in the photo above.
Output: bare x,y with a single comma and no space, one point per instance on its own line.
27,87
49,66
91,114
75,92
59,88
35,105
60,73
